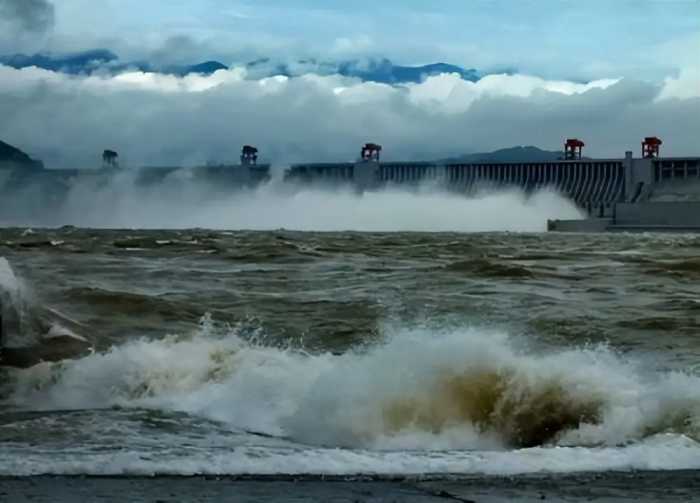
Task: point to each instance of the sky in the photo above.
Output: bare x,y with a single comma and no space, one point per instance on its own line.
552,38
640,58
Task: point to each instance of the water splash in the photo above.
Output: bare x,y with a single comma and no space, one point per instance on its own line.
463,389
31,332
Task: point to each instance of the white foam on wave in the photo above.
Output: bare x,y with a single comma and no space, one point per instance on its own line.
663,452
419,390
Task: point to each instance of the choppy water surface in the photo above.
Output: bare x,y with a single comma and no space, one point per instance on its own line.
337,353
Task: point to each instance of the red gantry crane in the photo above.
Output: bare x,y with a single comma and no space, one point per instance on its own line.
371,151
573,148
650,147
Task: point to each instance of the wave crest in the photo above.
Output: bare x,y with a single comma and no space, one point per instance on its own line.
418,390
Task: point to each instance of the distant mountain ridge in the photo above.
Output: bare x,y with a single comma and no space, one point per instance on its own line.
81,62
13,158
380,70
371,70
88,62
512,154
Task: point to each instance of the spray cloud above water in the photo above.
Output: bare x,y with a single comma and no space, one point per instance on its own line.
122,204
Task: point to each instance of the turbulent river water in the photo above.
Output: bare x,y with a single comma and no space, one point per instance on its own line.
356,353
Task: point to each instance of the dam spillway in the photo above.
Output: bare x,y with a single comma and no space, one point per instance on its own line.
595,185
590,183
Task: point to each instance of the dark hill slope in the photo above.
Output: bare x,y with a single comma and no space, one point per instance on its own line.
13,158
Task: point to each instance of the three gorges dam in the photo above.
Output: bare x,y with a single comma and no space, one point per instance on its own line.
612,191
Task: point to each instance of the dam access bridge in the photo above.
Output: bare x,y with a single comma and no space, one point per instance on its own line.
595,185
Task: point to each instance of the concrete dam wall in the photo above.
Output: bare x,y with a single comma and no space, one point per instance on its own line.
595,185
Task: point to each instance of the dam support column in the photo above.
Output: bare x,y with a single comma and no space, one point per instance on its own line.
643,170
639,177
630,178
366,175
249,161
639,173
366,171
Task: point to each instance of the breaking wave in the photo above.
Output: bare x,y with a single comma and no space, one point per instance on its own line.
418,390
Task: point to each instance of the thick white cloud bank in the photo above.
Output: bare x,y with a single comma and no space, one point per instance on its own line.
164,120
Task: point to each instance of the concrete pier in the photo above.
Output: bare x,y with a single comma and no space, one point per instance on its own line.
663,195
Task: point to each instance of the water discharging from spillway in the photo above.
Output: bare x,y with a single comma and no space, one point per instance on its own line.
121,204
